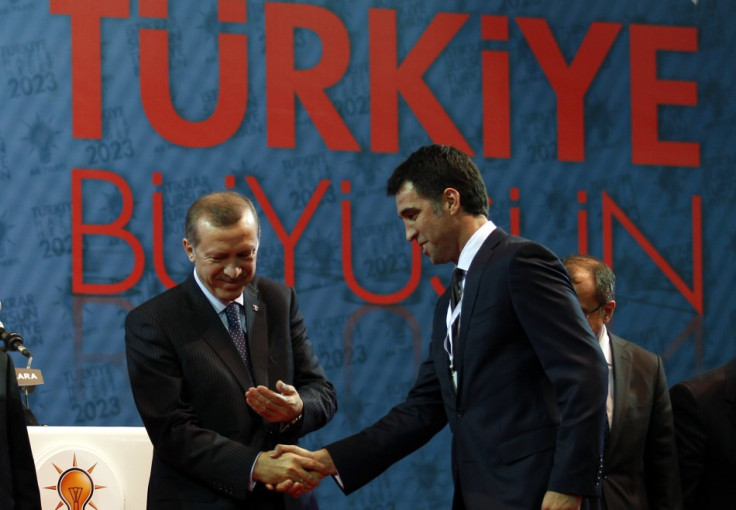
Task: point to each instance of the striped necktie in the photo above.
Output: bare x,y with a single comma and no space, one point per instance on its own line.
232,312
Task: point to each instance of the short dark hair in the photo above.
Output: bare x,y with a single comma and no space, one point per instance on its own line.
603,276
221,208
433,168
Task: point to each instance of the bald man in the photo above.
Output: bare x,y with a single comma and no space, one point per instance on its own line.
640,458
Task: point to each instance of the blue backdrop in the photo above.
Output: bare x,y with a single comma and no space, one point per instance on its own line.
603,127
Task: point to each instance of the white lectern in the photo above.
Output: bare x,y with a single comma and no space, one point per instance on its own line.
92,467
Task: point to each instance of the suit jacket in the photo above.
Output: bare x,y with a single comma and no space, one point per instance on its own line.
640,460
18,482
704,408
189,381
529,411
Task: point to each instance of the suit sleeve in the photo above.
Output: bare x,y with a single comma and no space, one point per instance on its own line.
660,455
408,426
691,440
317,393
564,344
177,432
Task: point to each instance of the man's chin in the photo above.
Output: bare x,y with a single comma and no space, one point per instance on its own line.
229,292
436,260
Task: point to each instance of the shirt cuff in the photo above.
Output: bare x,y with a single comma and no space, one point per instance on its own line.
337,478
251,481
287,425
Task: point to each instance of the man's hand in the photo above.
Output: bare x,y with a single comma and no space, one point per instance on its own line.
296,488
274,407
302,473
558,501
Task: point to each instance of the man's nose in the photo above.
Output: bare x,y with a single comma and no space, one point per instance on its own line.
233,270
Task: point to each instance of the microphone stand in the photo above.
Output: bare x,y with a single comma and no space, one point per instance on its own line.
27,390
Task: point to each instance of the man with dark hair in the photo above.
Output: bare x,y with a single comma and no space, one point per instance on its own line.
640,461
18,482
222,370
513,366
705,425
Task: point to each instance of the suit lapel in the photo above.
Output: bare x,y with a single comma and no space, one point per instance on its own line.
256,313
210,328
621,380
470,294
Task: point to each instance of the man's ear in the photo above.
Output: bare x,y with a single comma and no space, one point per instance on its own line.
188,248
451,200
608,310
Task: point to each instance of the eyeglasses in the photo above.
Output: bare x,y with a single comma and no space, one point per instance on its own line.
588,314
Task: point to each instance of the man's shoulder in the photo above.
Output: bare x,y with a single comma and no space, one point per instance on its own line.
639,356
264,284
633,347
164,299
712,381
270,292
514,245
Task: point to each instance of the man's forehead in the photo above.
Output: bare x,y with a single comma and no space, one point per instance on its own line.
408,207
407,196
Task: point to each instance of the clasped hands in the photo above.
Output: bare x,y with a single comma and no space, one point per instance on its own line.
300,470
287,468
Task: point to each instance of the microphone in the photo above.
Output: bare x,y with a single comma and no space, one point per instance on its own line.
13,341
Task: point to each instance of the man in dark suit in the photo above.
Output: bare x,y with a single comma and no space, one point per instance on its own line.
640,460
18,482
522,382
705,424
222,370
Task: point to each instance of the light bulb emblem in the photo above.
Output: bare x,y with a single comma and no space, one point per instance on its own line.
75,488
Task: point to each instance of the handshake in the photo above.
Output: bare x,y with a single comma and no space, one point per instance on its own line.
293,470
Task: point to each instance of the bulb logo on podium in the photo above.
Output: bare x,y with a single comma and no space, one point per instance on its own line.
68,486
76,488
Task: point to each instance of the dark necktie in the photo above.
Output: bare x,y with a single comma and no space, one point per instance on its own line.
457,286
456,294
232,312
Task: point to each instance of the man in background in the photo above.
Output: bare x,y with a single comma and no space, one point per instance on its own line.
640,460
513,367
222,369
705,424
18,482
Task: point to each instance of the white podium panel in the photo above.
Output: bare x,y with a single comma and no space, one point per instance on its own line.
92,467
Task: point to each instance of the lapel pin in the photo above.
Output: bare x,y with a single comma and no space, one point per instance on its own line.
255,308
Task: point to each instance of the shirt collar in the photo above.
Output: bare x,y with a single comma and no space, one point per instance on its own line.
604,340
473,245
